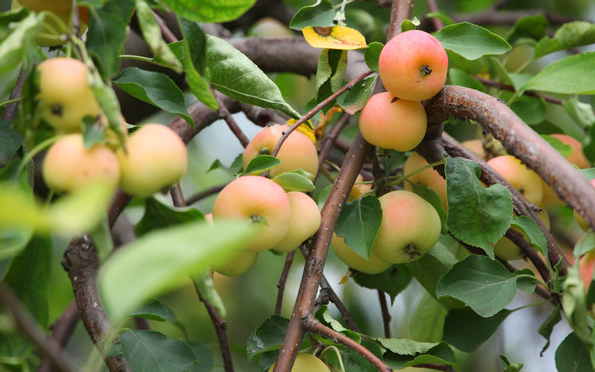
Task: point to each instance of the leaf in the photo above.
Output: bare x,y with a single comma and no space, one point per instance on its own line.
462,78
203,355
261,164
404,353
359,223
507,367
580,112
152,35
477,215
334,37
10,141
548,326
357,97
403,346
212,11
320,14
585,244
330,72
268,336
532,230
471,41
392,281
570,75
324,316
107,33
12,241
15,46
148,351
575,307
530,109
573,356
298,180
154,88
191,249
533,27
235,75
564,149
155,310
372,55
467,330
158,215
569,35
427,321
482,283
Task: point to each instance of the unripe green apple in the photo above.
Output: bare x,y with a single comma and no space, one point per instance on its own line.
508,250
428,177
410,227
155,157
372,266
65,93
306,363
519,176
257,200
304,221
581,221
393,123
578,158
413,66
68,165
297,152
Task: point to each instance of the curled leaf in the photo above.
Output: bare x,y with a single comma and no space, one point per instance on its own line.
334,37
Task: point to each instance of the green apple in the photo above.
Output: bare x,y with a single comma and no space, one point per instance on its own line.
306,363
372,266
428,177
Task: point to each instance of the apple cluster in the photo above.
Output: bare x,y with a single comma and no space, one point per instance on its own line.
152,158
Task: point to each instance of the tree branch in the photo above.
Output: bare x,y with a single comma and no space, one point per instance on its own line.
282,281
61,331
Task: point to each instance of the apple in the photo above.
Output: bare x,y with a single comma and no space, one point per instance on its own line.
428,177
155,158
359,188
68,165
257,200
297,152
507,250
306,363
581,221
413,66
65,94
304,221
519,176
578,158
586,266
393,123
410,227
56,6
475,145
372,266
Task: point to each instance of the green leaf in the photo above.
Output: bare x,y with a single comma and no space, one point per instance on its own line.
372,55
213,11
507,366
427,322
158,215
580,112
462,78
532,230
261,164
467,330
570,75
320,14
152,35
297,180
573,356
107,33
482,283
477,215
29,277
530,109
191,249
154,88
155,310
403,353
585,244
408,25
10,141
268,336
235,75
14,47
359,223
548,326
324,316
569,35
564,149
471,41
330,72
12,241
357,97
203,355
151,351
575,307
403,346
392,281
531,27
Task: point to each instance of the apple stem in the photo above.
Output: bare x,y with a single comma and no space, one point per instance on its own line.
425,70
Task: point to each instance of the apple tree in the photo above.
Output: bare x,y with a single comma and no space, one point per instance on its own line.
278,161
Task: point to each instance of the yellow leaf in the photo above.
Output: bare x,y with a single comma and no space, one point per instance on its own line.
334,37
304,128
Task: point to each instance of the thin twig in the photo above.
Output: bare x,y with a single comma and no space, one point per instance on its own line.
203,194
232,124
282,281
502,86
10,111
61,331
435,20
329,139
167,34
386,318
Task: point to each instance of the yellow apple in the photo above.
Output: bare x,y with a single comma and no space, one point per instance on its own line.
519,176
581,221
428,177
306,363
359,188
304,221
372,266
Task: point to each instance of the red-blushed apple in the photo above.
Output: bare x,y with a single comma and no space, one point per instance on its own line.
393,123
519,176
578,158
581,221
586,266
306,363
155,157
507,250
297,152
304,221
413,66
410,227
68,165
372,266
428,177
66,94
256,200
